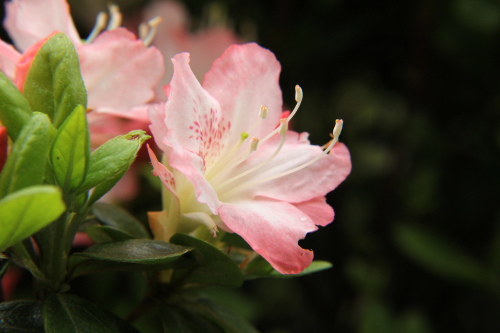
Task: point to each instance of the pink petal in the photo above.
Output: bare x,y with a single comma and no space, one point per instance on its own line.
273,230
313,181
243,79
119,71
161,171
138,113
158,129
28,21
82,240
318,210
104,127
8,59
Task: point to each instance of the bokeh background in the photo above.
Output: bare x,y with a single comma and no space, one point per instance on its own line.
416,239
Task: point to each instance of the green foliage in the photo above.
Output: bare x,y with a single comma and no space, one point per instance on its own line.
21,317
70,153
118,218
54,84
103,234
26,211
260,268
4,265
67,313
133,254
15,111
205,265
25,165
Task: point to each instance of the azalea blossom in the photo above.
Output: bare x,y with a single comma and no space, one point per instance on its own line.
230,162
173,36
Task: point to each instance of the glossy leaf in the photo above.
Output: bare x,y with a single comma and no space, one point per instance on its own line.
179,320
102,234
27,211
120,219
260,268
207,264
25,165
71,151
134,254
69,313
15,111
110,161
21,317
54,84
438,255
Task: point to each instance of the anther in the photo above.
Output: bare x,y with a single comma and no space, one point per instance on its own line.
298,94
115,17
253,144
143,30
153,26
338,128
263,112
283,126
100,24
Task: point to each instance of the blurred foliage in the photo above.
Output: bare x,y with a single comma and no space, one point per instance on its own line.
417,84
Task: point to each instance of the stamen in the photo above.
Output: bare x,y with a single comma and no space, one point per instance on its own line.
143,30
153,26
298,98
115,17
336,132
263,112
282,130
210,173
100,24
253,147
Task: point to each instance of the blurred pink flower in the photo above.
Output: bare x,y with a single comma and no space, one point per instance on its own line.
173,36
271,192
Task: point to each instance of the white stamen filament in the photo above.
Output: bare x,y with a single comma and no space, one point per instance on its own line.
100,24
336,132
153,26
115,19
282,130
215,168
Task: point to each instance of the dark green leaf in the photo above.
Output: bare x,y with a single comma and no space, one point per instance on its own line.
27,211
102,234
134,254
180,320
68,313
109,162
4,265
21,317
260,268
54,84
71,151
25,165
235,240
15,111
207,264
120,219
228,321
438,255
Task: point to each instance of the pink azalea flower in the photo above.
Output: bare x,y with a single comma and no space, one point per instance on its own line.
270,191
120,72
173,36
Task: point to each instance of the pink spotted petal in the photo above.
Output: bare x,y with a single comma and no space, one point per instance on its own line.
119,71
272,229
243,79
28,21
313,181
318,210
159,170
158,129
8,59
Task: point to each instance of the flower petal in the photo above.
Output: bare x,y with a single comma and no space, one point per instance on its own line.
161,171
243,79
119,71
28,21
318,210
158,129
8,59
272,229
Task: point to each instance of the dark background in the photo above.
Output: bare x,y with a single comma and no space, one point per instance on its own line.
416,238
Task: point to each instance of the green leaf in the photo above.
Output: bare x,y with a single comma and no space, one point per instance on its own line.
134,254
179,320
228,321
54,84
260,268
4,265
120,219
207,265
15,111
110,161
21,317
102,234
27,211
25,165
438,255
69,313
71,151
